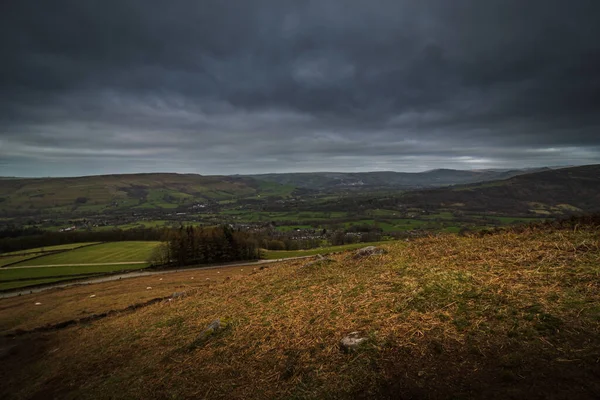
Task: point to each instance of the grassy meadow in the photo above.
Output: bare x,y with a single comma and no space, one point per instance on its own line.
79,262
114,252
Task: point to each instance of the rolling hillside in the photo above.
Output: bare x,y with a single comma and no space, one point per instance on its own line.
387,179
114,192
545,192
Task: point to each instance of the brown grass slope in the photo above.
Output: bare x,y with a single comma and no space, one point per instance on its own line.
576,186
510,315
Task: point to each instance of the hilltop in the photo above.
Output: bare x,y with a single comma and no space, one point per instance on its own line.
333,181
573,189
509,315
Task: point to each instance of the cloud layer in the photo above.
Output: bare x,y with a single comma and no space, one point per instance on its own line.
223,87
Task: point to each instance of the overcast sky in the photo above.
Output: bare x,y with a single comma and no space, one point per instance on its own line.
227,86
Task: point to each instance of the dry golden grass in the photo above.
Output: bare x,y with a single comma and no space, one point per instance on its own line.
58,305
506,315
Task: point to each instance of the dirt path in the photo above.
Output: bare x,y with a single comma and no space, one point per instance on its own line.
78,265
26,291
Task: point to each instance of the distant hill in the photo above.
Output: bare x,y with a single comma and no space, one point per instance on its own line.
545,192
387,179
132,191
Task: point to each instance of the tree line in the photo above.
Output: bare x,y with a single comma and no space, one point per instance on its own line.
190,245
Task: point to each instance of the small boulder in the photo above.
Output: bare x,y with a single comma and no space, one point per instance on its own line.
177,295
369,251
352,342
217,326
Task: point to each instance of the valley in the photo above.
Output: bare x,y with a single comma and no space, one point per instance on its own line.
295,204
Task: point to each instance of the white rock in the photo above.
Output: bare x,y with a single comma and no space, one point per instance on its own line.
38,304
352,341
149,287
92,296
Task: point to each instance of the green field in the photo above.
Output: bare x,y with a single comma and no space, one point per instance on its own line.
49,248
114,252
115,256
14,259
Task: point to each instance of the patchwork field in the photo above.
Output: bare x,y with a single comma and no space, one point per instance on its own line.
115,252
509,315
40,250
82,261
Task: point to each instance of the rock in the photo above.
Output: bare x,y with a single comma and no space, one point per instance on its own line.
149,287
215,327
92,296
369,251
352,342
38,303
177,295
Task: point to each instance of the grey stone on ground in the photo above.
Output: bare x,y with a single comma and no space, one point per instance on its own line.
217,326
352,342
368,251
178,294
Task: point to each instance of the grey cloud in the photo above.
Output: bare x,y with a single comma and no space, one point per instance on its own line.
267,86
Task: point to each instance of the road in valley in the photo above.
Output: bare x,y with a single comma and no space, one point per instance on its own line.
133,274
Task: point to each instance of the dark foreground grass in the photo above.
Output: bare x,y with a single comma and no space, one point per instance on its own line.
510,315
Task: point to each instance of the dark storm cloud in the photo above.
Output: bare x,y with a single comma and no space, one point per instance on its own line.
267,86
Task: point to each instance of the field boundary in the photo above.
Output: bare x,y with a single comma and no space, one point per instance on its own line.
127,274
80,264
46,253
